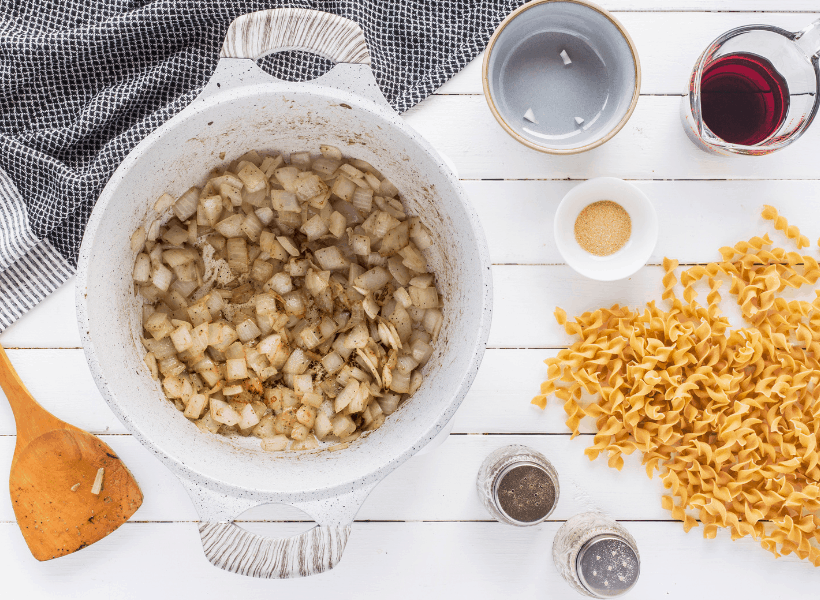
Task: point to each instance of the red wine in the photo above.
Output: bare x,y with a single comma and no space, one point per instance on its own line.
743,98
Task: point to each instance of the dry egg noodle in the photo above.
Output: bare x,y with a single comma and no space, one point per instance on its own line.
288,301
602,228
729,417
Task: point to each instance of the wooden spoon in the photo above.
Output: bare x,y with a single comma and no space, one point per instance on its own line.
52,474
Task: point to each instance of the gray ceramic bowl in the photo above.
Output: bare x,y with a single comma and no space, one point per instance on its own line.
571,105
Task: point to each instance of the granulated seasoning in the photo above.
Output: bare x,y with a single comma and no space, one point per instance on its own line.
526,493
602,228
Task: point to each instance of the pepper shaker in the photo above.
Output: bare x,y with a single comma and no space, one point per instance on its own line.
518,485
596,555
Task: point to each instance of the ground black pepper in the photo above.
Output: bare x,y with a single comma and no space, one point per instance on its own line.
526,493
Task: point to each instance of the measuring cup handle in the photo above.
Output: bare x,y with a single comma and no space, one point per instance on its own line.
256,34
808,40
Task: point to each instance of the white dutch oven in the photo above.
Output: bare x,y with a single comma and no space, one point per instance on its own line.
242,108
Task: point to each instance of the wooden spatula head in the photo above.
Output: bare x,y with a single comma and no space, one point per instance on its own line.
56,515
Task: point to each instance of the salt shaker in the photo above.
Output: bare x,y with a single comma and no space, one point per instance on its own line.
596,556
518,485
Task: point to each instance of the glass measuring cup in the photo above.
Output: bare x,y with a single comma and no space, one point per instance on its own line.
754,90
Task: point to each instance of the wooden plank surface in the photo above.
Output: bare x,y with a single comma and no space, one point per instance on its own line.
668,43
696,217
406,561
438,486
422,531
652,145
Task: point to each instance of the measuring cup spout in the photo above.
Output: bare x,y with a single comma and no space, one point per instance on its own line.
808,40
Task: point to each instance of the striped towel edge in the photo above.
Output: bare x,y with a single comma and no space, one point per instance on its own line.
29,280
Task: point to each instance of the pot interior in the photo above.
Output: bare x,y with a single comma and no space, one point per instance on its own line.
283,118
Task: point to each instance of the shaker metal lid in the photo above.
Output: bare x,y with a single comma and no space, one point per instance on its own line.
607,566
549,495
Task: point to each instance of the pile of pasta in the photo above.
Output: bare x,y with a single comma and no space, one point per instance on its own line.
728,417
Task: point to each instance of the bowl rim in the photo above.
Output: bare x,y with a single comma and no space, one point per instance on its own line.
646,205
529,143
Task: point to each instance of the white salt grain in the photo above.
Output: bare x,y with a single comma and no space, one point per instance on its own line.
579,120
530,116
565,57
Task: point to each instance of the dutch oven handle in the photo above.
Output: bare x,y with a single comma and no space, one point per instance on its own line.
225,544
252,36
229,547
256,34
238,550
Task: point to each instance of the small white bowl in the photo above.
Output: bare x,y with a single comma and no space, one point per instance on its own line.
638,248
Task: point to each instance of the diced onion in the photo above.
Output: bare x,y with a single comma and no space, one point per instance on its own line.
343,188
360,244
297,363
231,227
251,227
383,223
161,277
253,178
330,258
300,160
286,176
316,282
265,215
372,280
237,250
402,297
423,297
153,231
337,224
387,189
247,331
142,269
281,283
330,152
314,228
332,362
138,239
236,368
363,200
432,322
309,186
420,236
186,205
96,488
413,260
288,245
290,302
357,337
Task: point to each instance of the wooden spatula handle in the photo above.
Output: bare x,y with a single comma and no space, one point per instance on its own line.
31,418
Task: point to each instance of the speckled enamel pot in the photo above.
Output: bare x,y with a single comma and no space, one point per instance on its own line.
242,108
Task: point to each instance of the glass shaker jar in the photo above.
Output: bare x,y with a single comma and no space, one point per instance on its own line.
596,556
518,486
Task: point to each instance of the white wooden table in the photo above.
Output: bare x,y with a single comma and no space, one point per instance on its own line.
422,533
